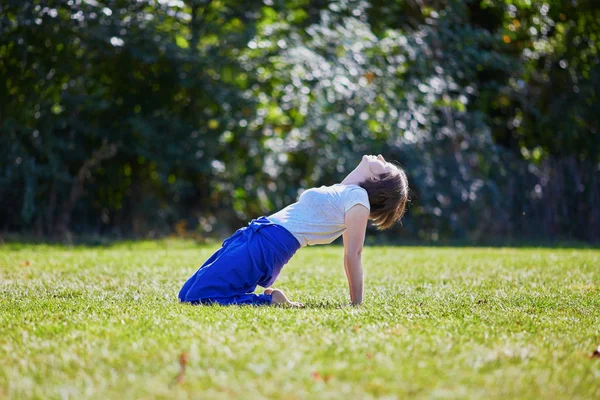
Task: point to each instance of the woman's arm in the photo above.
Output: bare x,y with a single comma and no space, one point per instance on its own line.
356,225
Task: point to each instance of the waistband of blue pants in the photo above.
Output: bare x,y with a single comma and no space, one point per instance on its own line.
277,234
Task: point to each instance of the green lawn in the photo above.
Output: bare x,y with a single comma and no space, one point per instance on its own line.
104,322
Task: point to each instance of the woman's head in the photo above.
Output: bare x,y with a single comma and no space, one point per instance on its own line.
387,187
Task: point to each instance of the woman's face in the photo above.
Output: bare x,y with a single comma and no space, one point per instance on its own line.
377,165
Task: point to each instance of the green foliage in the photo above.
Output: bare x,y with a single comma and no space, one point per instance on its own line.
127,118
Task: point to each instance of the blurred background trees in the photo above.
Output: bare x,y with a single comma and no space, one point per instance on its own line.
142,118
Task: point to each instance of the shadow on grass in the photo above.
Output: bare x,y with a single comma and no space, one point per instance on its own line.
20,242
310,305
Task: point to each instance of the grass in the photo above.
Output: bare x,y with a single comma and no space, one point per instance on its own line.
103,322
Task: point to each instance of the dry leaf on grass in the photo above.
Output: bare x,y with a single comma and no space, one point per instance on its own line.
318,377
182,364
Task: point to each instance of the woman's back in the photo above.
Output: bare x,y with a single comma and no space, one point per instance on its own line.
318,215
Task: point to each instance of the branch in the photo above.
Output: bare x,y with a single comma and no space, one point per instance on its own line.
106,151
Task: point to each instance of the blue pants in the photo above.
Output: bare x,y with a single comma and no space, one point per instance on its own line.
253,255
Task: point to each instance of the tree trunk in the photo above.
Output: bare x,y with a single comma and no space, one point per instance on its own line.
106,151
51,209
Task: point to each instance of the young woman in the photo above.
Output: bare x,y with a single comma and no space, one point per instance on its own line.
255,254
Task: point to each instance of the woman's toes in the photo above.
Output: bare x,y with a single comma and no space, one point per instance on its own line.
278,297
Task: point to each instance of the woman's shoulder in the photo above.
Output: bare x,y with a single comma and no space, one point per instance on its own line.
339,189
351,188
355,194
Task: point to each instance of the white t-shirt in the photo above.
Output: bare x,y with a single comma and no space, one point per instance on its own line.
318,215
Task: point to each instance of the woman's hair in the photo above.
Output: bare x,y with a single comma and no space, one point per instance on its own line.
387,197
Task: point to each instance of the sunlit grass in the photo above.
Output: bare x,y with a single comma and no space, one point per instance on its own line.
103,322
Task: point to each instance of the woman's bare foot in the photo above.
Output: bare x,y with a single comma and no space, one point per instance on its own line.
278,297
268,290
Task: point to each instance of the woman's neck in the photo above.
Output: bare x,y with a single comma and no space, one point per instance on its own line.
355,177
